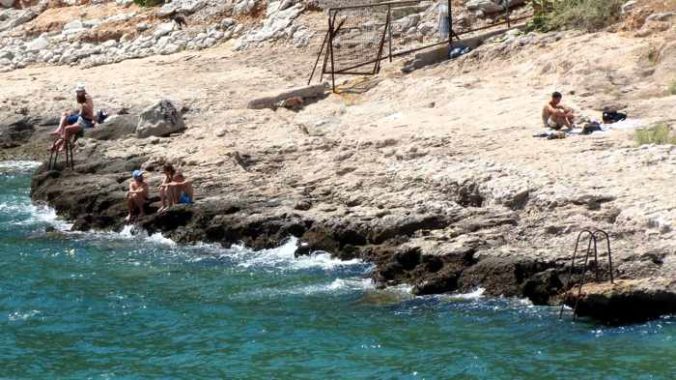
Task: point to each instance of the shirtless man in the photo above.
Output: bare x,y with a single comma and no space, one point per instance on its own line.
71,124
165,195
137,195
180,190
555,115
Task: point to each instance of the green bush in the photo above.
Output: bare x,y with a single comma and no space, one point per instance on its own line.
148,3
658,134
589,15
672,87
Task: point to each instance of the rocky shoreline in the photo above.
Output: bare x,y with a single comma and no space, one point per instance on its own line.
92,197
408,171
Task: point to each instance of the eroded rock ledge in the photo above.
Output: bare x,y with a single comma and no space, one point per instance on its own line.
93,197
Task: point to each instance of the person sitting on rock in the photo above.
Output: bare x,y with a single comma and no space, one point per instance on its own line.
137,195
180,190
555,115
169,171
72,124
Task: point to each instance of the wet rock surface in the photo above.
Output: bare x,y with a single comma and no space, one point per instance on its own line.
93,196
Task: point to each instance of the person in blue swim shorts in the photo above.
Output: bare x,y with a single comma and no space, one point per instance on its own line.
180,190
75,123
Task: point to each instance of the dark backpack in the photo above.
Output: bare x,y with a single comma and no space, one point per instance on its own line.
613,116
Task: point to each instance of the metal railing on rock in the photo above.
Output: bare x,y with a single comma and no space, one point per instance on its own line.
592,249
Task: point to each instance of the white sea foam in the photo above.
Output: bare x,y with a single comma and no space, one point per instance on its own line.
133,232
22,315
36,214
473,295
284,257
18,166
337,286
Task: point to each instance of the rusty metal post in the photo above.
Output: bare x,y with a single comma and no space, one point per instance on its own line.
572,262
450,26
610,255
331,35
507,11
388,25
319,55
376,68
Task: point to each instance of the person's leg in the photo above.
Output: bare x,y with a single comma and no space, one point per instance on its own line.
138,202
163,198
62,124
130,207
172,196
561,122
71,131
570,119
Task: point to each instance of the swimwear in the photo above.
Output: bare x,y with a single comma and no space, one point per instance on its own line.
184,199
85,123
551,123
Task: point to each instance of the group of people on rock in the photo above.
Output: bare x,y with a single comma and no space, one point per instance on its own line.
174,189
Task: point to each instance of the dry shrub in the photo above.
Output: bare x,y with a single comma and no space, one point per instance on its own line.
590,15
659,134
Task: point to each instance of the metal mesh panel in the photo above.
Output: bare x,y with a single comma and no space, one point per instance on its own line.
359,36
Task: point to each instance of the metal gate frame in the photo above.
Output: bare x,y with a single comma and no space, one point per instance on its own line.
333,29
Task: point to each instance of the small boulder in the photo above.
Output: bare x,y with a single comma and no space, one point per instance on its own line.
160,119
15,130
38,44
115,127
163,29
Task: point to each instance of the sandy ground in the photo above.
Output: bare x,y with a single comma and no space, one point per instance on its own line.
412,141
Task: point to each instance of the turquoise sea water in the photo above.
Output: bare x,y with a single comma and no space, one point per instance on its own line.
106,305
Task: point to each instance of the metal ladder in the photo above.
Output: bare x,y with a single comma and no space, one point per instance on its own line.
592,248
54,156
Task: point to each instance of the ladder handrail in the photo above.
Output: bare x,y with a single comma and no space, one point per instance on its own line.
592,242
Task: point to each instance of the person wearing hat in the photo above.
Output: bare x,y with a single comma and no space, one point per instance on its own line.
74,123
137,195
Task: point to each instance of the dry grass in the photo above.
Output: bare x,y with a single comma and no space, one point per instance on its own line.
659,134
590,15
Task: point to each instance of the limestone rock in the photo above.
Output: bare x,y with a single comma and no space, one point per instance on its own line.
38,44
115,127
160,119
15,130
628,6
273,100
485,6
625,300
163,29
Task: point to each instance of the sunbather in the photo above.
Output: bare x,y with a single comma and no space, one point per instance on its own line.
169,172
180,190
555,115
137,195
72,124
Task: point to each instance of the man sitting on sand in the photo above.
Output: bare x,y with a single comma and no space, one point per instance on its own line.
179,190
137,195
74,123
555,115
